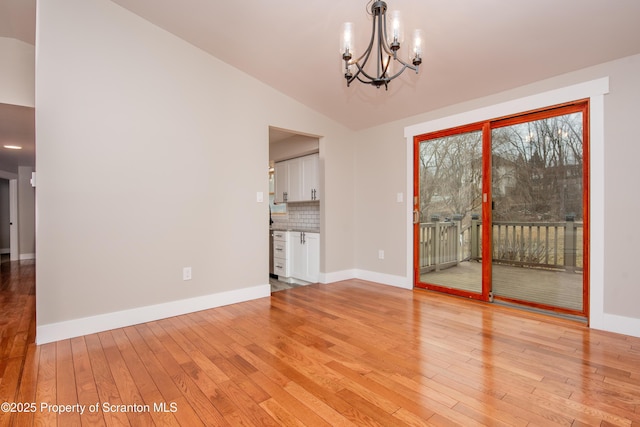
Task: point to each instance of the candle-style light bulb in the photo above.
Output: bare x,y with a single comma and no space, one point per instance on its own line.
346,41
417,44
395,30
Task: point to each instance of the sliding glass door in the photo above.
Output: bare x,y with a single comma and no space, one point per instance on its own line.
501,209
447,216
538,177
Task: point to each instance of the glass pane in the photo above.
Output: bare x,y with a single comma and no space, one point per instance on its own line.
537,182
450,201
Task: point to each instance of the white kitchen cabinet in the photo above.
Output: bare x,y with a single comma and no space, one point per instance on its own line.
310,171
281,263
312,242
304,255
297,180
281,184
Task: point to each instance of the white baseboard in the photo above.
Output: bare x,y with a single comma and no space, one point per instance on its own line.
104,322
337,276
386,279
27,256
619,324
372,276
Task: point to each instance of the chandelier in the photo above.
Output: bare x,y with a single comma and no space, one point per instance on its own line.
383,50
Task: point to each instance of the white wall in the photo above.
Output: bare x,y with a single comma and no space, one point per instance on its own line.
382,162
145,167
17,78
381,224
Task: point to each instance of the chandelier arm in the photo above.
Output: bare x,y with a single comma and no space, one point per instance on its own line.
370,79
369,82
364,73
412,67
382,44
382,36
405,66
367,51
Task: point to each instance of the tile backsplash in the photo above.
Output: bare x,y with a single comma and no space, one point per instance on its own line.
304,215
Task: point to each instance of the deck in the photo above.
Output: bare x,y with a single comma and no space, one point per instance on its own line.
552,288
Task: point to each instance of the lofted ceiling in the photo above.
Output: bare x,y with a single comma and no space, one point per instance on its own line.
473,48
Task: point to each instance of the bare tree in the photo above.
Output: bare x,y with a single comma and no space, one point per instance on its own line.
451,175
536,171
540,169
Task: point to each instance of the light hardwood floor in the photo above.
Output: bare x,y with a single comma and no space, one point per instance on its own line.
348,353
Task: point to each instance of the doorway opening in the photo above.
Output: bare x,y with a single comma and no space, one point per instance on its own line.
295,206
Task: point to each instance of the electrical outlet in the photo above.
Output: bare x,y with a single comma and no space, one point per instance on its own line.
380,254
186,273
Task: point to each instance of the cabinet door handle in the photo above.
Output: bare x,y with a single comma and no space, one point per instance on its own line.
304,238
284,196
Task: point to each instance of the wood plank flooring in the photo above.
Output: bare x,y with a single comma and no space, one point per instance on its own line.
347,353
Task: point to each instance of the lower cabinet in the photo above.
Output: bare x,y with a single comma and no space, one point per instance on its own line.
280,254
304,255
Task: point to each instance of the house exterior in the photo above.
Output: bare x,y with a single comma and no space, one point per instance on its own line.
147,163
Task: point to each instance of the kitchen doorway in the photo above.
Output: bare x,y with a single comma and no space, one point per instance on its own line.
294,208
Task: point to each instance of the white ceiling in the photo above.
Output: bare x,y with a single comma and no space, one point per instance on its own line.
473,48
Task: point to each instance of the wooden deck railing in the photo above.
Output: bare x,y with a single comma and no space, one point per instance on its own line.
553,245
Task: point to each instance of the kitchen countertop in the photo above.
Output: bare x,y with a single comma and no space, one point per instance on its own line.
305,230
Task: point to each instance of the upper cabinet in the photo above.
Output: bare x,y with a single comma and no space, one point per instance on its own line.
281,189
310,177
297,180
